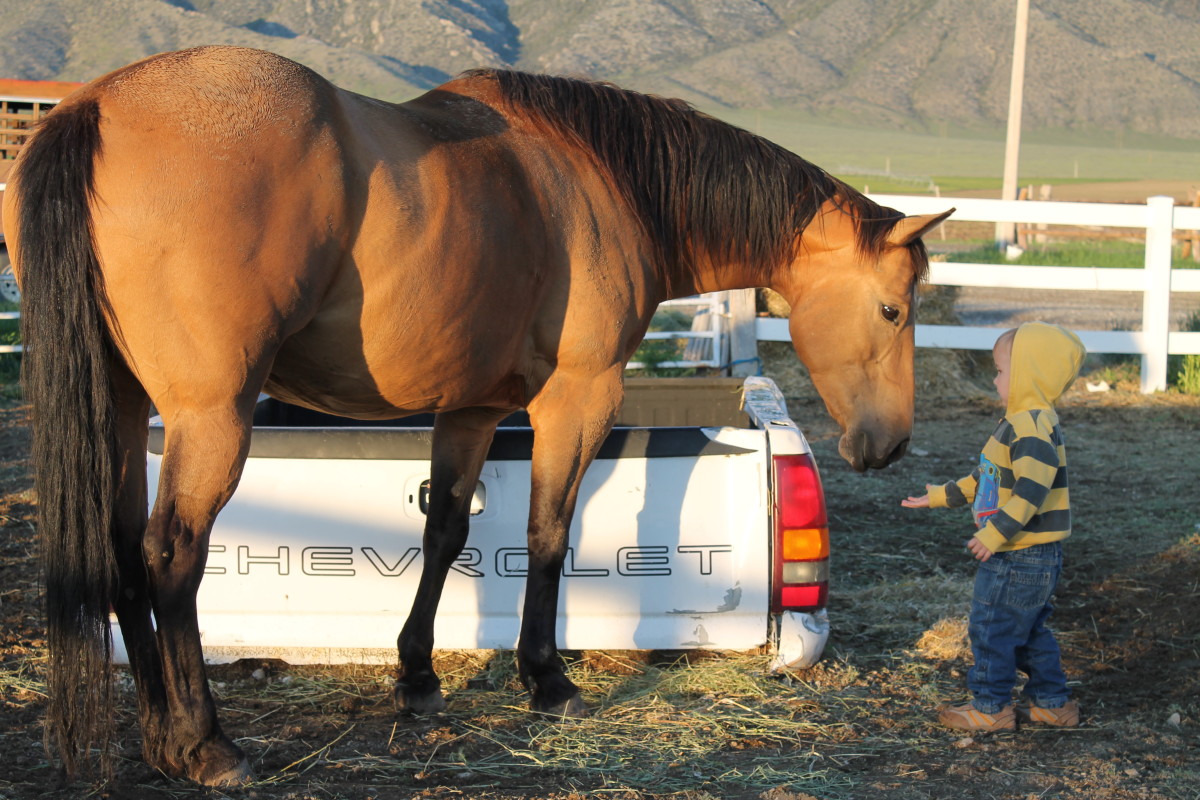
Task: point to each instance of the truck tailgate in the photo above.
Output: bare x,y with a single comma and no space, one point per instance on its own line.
317,556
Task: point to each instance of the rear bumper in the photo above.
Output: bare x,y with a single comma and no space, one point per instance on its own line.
800,638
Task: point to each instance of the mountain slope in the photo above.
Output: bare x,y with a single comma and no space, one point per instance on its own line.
1116,64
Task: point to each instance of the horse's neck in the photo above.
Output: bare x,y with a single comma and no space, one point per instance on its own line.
707,277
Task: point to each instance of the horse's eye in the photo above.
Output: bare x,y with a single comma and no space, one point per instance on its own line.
890,313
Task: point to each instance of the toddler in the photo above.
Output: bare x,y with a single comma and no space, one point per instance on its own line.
1019,496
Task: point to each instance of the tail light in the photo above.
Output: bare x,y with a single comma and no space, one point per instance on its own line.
801,559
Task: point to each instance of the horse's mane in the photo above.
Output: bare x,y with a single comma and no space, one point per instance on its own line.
697,182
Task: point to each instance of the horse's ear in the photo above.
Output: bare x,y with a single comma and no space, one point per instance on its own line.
909,229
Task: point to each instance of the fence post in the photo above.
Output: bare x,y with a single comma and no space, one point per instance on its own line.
743,340
1156,302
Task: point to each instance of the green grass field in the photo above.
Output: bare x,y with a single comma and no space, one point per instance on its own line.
954,159
1106,254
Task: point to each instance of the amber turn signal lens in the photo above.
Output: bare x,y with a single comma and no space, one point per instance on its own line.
805,544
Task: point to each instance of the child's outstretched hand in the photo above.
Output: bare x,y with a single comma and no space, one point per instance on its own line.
979,549
917,502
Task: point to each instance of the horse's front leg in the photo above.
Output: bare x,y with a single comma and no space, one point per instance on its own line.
204,454
460,444
571,417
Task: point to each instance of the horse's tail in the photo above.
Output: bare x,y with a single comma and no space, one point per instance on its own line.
65,372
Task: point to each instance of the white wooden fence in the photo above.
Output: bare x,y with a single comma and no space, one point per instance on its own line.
1159,217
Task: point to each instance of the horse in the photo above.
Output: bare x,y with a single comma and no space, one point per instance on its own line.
203,226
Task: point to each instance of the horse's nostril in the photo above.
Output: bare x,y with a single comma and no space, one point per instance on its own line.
898,451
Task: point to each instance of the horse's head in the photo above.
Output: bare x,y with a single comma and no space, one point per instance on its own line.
853,298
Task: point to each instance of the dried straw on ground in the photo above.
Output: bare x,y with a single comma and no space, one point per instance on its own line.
946,640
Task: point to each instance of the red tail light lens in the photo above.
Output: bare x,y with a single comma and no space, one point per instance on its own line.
799,496
801,557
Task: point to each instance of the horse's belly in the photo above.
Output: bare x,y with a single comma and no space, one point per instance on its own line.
339,375
358,401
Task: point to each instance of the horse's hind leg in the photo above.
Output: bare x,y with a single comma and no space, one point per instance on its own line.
460,444
132,598
205,450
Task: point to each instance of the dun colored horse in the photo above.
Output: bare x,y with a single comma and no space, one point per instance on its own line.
202,226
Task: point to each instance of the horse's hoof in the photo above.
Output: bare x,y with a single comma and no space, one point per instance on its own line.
419,703
571,708
217,762
238,775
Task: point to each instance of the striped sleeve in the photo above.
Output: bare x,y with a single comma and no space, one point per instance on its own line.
955,494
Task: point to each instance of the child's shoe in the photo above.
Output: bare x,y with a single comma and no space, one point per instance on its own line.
968,718
1065,717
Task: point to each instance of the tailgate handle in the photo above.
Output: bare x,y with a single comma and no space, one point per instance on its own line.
478,500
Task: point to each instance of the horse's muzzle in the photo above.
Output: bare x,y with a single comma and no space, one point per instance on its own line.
855,447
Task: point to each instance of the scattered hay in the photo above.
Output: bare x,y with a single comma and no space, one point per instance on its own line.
1186,550
21,681
657,726
901,612
946,641
941,372
780,793
947,374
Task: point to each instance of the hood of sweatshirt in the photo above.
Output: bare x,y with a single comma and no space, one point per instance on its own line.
1045,362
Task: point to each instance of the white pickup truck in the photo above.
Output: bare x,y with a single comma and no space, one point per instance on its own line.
701,524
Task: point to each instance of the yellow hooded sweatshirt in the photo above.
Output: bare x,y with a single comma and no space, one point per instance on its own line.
1019,491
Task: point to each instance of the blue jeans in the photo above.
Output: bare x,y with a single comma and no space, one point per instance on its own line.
1008,629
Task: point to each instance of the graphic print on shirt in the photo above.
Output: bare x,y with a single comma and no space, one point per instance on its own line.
987,493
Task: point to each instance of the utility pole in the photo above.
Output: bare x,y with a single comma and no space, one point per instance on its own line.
1006,232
